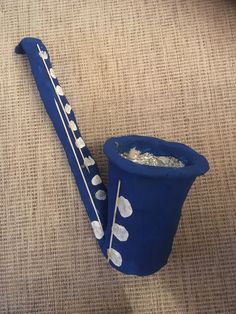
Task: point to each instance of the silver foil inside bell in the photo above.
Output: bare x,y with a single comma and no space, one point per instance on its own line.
149,159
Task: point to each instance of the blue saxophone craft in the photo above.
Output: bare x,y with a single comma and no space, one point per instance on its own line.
136,219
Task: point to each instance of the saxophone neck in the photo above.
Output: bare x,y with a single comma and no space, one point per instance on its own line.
83,166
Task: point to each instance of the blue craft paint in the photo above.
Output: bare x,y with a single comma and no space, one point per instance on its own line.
136,218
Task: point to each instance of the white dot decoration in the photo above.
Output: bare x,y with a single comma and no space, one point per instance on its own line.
124,207
59,90
120,232
52,73
100,195
89,161
43,54
96,180
97,229
92,161
72,125
79,142
67,108
115,257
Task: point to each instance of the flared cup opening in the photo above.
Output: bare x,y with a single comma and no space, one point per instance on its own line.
194,163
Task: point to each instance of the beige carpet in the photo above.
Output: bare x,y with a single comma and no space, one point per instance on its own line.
163,68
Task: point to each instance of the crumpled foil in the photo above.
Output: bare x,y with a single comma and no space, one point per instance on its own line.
152,160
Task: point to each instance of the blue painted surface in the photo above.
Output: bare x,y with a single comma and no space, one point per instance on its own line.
156,194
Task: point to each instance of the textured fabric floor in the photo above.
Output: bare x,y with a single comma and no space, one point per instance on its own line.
163,68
